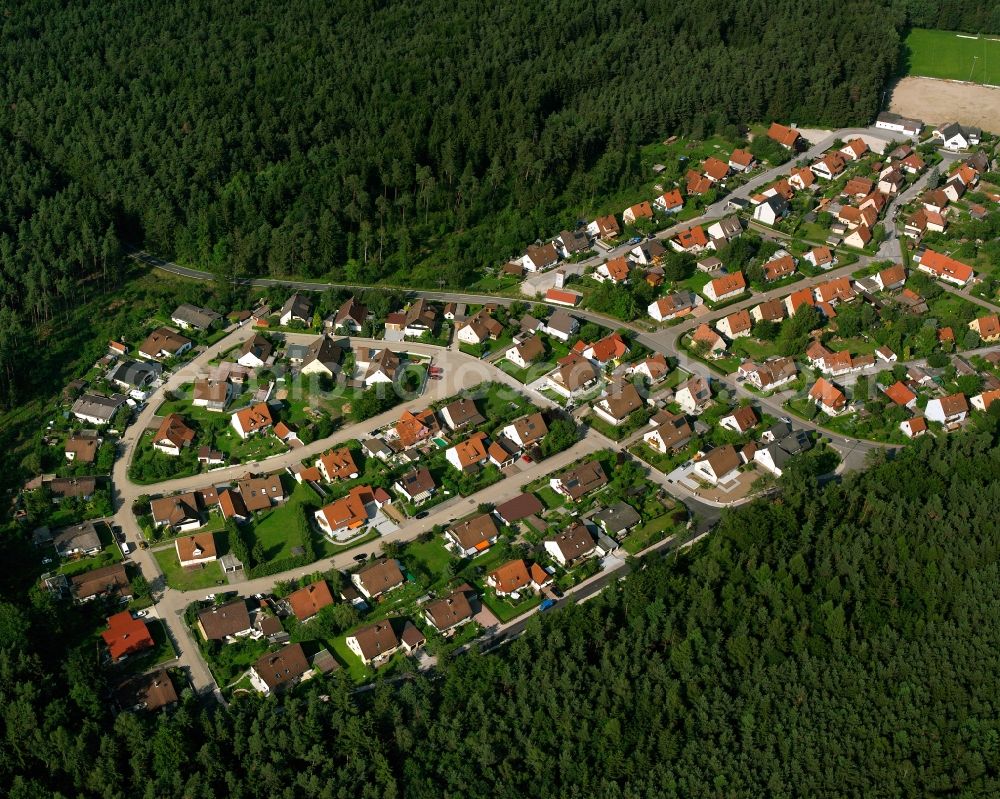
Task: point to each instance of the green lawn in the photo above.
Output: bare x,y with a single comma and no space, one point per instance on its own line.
952,56
505,610
511,368
649,533
550,497
273,529
429,557
754,348
208,576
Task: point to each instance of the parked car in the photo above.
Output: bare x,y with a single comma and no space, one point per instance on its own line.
548,603
422,515
360,557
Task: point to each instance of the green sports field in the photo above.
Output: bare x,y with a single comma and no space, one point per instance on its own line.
946,54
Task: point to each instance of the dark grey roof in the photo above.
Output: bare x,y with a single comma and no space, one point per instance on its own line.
620,516
298,305
798,441
202,318
136,373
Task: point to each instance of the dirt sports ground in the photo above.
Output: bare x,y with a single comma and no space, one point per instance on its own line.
935,101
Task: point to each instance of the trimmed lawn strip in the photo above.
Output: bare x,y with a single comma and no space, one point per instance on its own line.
207,576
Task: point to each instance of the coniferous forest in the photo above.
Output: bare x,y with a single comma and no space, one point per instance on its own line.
842,641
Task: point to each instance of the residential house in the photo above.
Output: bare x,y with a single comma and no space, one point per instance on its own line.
653,369
520,507
724,231
901,395
802,178
539,257
769,375
472,536
421,317
186,316
892,277
135,376
510,578
561,325
891,181
617,519
949,410
726,287
527,431
579,481
913,428
885,354
858,188
670,202
126,636
988,327
78,541
616,270
212,395
783,444
255,419
97,409
448,613
859,238
108,581
771,211
691,239
935,200
573,376
740,420
349,318
670,432
416,485
196,550
323,357
347,514
735,325
276,671
610,349
569,243
956,137
164,343
117,347
570,546
150,692
829,166
255,352
225,622
469,455
697,184
337,464
719,465
693,395
780,266
674,306
604,228
180,512
172,435
615,407
461,413
636,212
714,169
982,402
412,428
828,397
375,643
527,352
709,265
297,308
741,160
378,578
260,493
836,290
944,267
81,448
854,149
916,224
768,311
786,137
382,368
309,600
820,257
